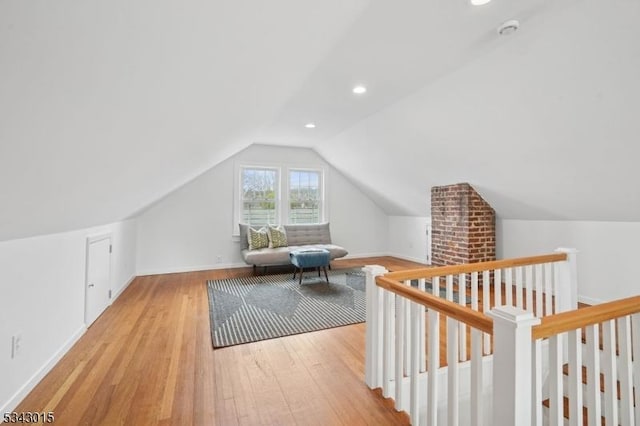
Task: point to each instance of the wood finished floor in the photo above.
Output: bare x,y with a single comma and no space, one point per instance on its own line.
148,360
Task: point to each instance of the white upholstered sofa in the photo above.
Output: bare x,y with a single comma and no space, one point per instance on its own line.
306,236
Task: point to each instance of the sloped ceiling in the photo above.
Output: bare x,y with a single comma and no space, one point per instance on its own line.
106,107
543,123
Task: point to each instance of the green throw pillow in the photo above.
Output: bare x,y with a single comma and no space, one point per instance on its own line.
277,237
257,238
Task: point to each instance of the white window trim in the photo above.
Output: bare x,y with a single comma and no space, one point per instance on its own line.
282,207
237,197
287,203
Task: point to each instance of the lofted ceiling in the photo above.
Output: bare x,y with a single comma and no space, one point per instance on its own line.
107,107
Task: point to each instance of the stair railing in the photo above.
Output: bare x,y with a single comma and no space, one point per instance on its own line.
403,358
608,337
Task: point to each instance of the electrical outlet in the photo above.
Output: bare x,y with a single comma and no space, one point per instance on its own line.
219,259
16,345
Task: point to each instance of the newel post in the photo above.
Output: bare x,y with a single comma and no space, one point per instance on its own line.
512,365
373,336
567,281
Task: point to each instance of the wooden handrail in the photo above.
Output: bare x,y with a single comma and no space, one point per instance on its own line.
461,313
573,320
441,271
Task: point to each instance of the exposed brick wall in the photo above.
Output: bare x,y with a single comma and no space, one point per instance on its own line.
463,226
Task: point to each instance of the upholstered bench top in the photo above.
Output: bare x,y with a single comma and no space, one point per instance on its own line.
310,258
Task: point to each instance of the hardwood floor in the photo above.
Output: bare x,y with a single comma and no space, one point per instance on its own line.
148,360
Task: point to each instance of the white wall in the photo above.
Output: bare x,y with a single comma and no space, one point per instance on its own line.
608,252
191,227
42,288
408,237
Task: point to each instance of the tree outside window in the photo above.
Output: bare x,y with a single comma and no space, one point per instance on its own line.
259,196
305,196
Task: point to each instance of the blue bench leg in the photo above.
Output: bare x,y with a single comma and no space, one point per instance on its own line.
325,273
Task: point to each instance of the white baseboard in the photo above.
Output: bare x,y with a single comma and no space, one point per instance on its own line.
409,258
41,372
589,300
361,255
122,289
178,270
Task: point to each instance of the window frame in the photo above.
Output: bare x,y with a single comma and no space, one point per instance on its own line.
282,192
321,192
238,199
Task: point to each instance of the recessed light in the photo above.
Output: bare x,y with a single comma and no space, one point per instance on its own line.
508,27
359,90
479,2
310,125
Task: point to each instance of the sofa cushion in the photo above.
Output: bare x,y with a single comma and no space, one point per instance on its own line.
317,233
258,238
277,237
267,256
244,241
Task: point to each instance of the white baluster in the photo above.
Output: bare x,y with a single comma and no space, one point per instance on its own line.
497,287
462,334
575,378
539,290
548,289
609,369
399,350
593,375
508,286
627,416
536,383
449,287
416,348
422,331
635,343
453,385
434,359
486,300
519,302
388,318
474,291
476,378
374,343
555,381
528,283
407,336
512,361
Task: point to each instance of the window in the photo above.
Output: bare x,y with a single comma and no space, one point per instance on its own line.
278,195
305,196
259,195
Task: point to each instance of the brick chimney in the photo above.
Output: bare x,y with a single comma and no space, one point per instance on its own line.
463,226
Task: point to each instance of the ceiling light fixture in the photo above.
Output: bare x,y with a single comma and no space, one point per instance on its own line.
310,125
508,27
359,90
479,2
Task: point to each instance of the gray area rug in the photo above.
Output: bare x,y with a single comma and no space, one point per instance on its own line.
250,309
